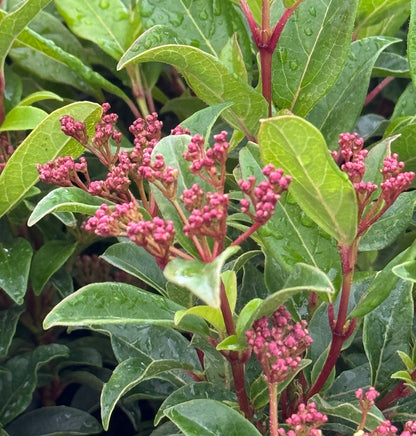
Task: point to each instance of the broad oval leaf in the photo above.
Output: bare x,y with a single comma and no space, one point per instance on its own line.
39,96
406,271
55,421
209,418
201,278
311,52
320,188
71,199
45,143
23,118
205,74
8,322
15,259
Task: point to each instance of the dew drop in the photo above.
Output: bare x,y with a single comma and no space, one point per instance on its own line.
352,56
121,15
312,11
203,15
176,19
282,53
308,31
217,7
293,65
306,221
104,4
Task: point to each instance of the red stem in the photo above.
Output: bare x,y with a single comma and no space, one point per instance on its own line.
371,95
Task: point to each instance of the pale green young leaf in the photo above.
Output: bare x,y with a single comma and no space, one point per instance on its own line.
23,118
39,96
406,270
320,188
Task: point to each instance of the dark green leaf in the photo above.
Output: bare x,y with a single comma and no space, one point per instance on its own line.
8,322
54,421
202,279
45,143
387,329
406,271
65,200
47,260
312,50
18,379
138,262
15,258
406,104
210,418
391,64
350,90
128,375
207,77
321,189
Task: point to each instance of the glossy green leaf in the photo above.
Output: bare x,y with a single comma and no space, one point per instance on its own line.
71,199
406,104
18,379
391,224
11,25
373,11
8,322
320,188
23,118
200,390
383,284
126,376
39,96
349,411
406,271
138,262
387,329
202,279
232,58
403,145
114,303
55,421
210,314
107,23
45,143
311,52
47,260
349,90
290,236
15,259
370,125
391,64
210,418
205,74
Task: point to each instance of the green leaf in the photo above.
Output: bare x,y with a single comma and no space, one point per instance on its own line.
15,259
391,64
232,58
320,188
383,284
138,262
407,360
55,421
202,279
126,376
391,224
406,271
209,418
403,144
388,329
209,314
8,322
200,390
208,78
290,236
23,118
312,50
71,199
107,23
350,89
47,260
373,11
406,104
14,23
45,143
114,303
39,96
18,378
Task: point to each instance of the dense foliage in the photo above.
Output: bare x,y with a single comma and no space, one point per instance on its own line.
207,217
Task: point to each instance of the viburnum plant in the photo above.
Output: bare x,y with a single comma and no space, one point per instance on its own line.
256,260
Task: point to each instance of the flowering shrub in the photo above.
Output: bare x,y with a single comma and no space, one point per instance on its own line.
248,271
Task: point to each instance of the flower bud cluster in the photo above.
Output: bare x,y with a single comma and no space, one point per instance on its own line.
278,347
147,133
366,399
265,195
76,129
64,171
305,422
208,164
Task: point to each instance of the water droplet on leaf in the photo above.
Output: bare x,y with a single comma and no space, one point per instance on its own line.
104,4
293,65
308,31
312,11
203,15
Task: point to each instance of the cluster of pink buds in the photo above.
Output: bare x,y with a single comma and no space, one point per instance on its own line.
305,422
147,132
366,399
64,171
208,164
6,150
279,348
265,195
351,158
